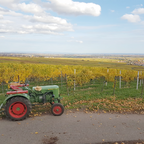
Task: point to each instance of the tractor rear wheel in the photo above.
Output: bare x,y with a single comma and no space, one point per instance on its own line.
17,108
57,109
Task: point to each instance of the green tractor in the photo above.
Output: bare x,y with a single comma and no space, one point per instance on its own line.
19,99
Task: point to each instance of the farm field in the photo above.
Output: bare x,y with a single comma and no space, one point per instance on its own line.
92,62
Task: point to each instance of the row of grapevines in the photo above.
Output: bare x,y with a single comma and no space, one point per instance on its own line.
10,72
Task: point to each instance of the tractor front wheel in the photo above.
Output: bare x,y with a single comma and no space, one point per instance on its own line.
57,109
17,108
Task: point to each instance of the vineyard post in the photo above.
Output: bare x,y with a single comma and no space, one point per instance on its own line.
114,85
103,84
37,81
61,79
94,81
107,72
140,82
142,88
18,78
120,80
2,88
51,80
137,80
74,78
65,77
141,79
67,85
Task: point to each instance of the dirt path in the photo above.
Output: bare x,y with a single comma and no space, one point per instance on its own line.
74,128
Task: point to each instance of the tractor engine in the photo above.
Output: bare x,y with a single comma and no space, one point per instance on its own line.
43,94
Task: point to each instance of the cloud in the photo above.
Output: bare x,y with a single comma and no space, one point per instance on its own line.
142,22
3,10
6,30
138,11
2,36
35,29
127,7
1,16
8,3
131,18
5,21
15,17
12,22
112,11
45,27
9,12
79,41
51,23
69,7
3,2
24,26
28,8
47,19
94,27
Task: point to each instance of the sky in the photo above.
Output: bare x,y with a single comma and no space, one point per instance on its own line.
72,26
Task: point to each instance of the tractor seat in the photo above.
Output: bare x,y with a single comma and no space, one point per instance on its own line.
17,92
38,88
15,87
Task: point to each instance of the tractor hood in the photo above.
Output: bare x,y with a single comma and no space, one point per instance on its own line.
45,88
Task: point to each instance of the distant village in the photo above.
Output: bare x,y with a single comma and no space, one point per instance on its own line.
136,62
27,55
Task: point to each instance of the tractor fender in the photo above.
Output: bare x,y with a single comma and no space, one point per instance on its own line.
16,95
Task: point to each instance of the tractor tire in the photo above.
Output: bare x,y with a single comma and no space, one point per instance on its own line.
57,109
17,108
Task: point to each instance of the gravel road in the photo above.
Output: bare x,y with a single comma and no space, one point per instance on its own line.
73,128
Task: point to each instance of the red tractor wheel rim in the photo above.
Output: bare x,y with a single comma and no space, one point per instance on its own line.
17,109
57,110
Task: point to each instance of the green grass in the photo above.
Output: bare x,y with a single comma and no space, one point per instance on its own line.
93,91
87,93
2,97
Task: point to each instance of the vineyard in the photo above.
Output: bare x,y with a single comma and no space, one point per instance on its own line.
93,87
83,74
78,74
73,75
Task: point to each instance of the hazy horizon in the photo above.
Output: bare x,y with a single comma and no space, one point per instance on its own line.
55,53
